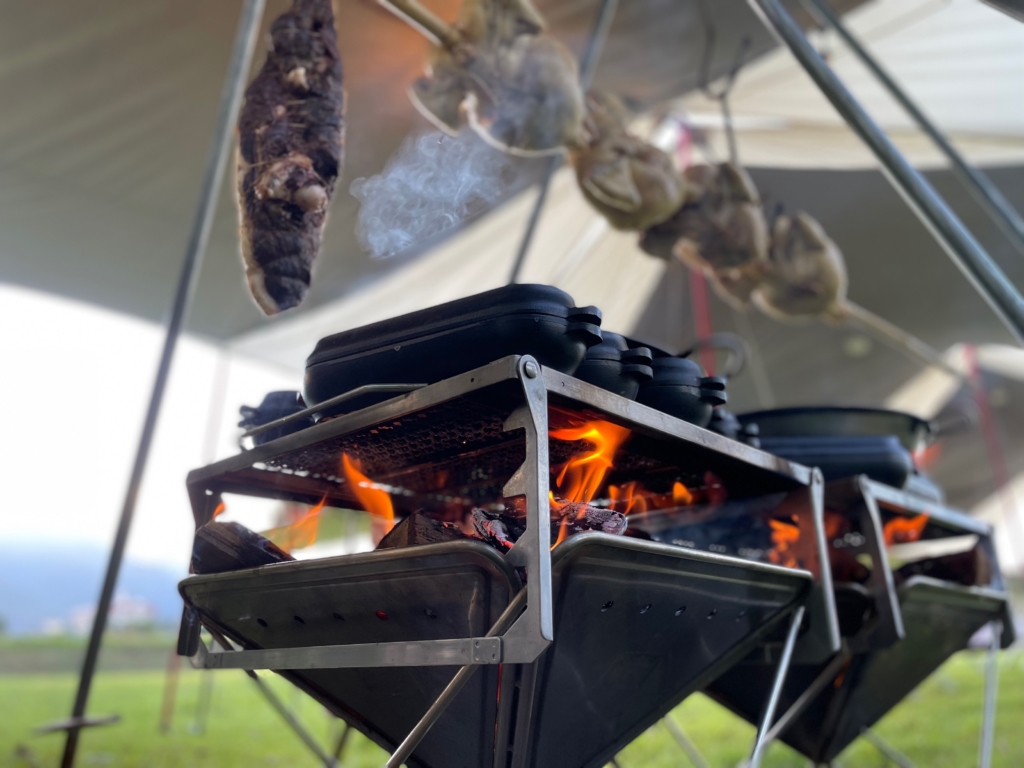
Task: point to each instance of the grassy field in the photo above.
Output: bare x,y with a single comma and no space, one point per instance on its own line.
937,726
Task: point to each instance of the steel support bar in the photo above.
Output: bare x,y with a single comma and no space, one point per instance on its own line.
299,728
988,723
685,744
887,749
231,99
405,749
961,246
588,64
761,742
416,653
827,675
988,196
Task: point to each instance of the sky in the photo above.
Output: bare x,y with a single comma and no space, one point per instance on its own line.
75,380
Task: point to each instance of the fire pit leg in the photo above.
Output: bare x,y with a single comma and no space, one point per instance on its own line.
886,749
988,723
684,742
761,742
405,749
790,715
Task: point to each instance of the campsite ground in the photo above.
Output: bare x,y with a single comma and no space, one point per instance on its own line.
936,726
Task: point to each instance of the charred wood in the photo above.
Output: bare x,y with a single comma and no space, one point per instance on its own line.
222,547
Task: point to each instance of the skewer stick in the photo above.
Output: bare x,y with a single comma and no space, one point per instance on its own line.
425,21
896,337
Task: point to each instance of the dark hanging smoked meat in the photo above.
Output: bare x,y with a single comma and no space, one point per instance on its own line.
291,145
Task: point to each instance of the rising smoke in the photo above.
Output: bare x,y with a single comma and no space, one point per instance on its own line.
432,184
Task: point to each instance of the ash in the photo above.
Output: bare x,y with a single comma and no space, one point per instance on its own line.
432,184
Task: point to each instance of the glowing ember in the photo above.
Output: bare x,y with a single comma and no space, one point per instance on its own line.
582,476
903,530
301,533
784,536
374,500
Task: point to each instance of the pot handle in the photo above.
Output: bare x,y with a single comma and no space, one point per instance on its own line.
712,390
585,325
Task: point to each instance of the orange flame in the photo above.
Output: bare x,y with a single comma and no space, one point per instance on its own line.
903,530
629,498
582,476
220,508
681,495
374,500
784,536
302,533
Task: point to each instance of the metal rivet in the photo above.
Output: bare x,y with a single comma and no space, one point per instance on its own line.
646,608
681,611
531,370
712,613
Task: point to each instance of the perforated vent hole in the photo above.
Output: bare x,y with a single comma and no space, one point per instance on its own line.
339,617
382,615
429,613
740,615
712,612
680,610
646,608
299,620
607,605
261,622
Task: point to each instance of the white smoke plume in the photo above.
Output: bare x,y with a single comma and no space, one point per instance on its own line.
432,184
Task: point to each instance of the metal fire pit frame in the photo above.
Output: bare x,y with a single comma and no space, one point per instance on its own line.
864,499
516,639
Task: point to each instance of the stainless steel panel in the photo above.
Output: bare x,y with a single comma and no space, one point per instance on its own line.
436,592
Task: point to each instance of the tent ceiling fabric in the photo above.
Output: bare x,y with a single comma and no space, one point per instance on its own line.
110,104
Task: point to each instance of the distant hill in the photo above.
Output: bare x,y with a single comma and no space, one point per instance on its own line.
44,584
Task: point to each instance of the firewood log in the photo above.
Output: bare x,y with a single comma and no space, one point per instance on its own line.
418,529
290,153
222,547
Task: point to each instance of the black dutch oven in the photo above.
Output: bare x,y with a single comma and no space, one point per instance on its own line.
680,388
615,366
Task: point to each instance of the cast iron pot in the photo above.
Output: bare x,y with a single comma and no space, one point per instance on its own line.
830,421
680,388
614,366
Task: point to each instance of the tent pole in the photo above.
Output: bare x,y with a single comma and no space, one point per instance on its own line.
588,65
977,183
960,245
231,99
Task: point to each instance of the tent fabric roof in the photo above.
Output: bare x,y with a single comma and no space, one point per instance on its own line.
109,105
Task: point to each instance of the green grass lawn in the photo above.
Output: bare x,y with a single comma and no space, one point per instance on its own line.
936,726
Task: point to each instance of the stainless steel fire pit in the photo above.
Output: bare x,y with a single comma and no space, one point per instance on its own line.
895,635
607,635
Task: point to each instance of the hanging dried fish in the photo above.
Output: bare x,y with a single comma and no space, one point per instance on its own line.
807,278
291,149
516,86
631,183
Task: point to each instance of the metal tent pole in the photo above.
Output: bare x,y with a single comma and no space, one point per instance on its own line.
988,196
960,245
588,64
231,98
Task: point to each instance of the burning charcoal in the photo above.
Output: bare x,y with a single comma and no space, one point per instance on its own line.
497,529
291,137
578,517
222,547
631,183
418,529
